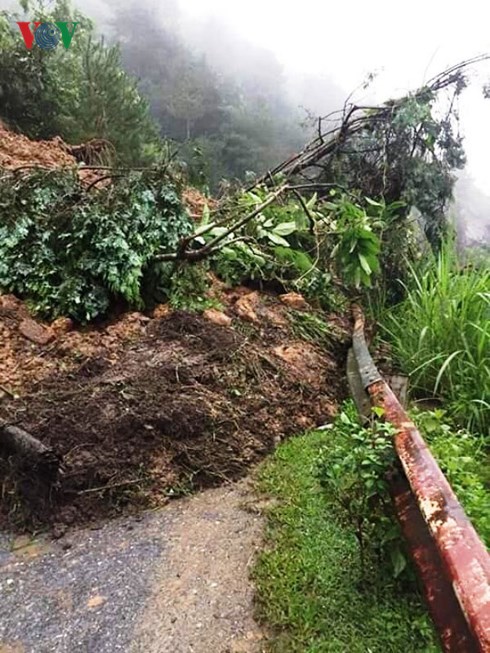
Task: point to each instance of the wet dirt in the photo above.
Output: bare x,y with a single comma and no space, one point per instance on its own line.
169,405
20,153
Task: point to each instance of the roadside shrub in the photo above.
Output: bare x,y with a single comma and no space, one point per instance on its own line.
465,462
354,472
309,586
73,252
441,336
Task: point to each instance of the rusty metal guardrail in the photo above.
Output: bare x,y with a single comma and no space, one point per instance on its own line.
452,562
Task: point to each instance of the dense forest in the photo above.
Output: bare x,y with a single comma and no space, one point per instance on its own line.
226,116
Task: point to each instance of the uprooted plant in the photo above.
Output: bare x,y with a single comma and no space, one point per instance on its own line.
400,154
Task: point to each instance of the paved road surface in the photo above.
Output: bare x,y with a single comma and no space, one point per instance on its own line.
171,581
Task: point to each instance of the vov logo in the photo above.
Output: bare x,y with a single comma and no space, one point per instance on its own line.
47,35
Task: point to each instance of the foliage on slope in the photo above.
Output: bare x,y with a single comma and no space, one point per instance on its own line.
440,335
75,252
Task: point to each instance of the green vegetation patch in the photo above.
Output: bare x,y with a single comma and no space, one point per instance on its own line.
312,591
440,335
465,461
75,252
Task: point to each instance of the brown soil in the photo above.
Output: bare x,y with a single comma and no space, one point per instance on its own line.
143,409
18,151
195,202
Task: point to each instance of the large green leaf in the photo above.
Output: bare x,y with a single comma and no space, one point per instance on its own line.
285,228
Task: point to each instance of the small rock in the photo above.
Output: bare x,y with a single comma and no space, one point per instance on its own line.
58,531
36,332
62,325
136,316
304,422
246,305
325,427
273,316
96,601
10,303
162,310
294,300
217,317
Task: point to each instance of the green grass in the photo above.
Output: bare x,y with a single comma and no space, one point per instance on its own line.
308,578
465,461
441,337
312,327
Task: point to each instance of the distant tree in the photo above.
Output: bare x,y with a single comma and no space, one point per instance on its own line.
79,93
193,95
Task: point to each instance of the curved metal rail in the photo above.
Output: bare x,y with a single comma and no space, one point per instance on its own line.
451,560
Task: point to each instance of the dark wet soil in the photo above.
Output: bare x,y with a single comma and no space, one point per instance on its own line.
187,405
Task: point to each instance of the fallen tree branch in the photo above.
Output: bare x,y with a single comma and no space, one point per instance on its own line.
211,246
353,119
31,452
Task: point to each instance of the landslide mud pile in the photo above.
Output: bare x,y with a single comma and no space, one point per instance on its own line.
142,408
147,407
18,152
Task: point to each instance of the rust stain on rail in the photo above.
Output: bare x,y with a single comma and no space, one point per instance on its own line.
452,561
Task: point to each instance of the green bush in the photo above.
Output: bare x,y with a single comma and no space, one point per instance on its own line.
72,252
354,471
277,246
465,462
441,336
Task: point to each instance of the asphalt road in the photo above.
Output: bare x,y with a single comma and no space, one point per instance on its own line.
165,582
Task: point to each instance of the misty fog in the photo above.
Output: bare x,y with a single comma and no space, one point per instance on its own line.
258,73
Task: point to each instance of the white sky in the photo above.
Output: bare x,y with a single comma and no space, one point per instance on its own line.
405,43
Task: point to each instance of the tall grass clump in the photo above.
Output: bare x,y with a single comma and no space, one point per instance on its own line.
440,335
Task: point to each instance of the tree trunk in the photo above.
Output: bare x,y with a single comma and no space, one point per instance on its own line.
29,451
